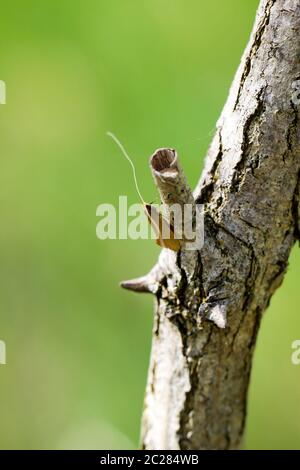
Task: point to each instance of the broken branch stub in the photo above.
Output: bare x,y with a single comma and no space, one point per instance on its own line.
175,193
179,213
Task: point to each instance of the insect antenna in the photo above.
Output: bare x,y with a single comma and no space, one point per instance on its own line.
122,148
146,206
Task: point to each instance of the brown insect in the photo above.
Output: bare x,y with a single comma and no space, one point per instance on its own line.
158,222
161,226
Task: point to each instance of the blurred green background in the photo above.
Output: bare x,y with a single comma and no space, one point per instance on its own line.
156,73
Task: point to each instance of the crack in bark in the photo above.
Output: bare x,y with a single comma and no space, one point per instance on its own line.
208,189
254,48
239,169
291,131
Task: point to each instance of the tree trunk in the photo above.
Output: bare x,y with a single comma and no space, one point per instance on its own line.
209,303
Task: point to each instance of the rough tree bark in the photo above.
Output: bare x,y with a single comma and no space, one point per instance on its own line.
209,303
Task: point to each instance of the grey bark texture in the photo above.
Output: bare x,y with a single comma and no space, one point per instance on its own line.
209,303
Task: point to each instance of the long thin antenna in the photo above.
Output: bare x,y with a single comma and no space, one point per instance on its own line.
121,147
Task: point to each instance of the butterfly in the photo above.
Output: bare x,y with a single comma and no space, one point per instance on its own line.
163,229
